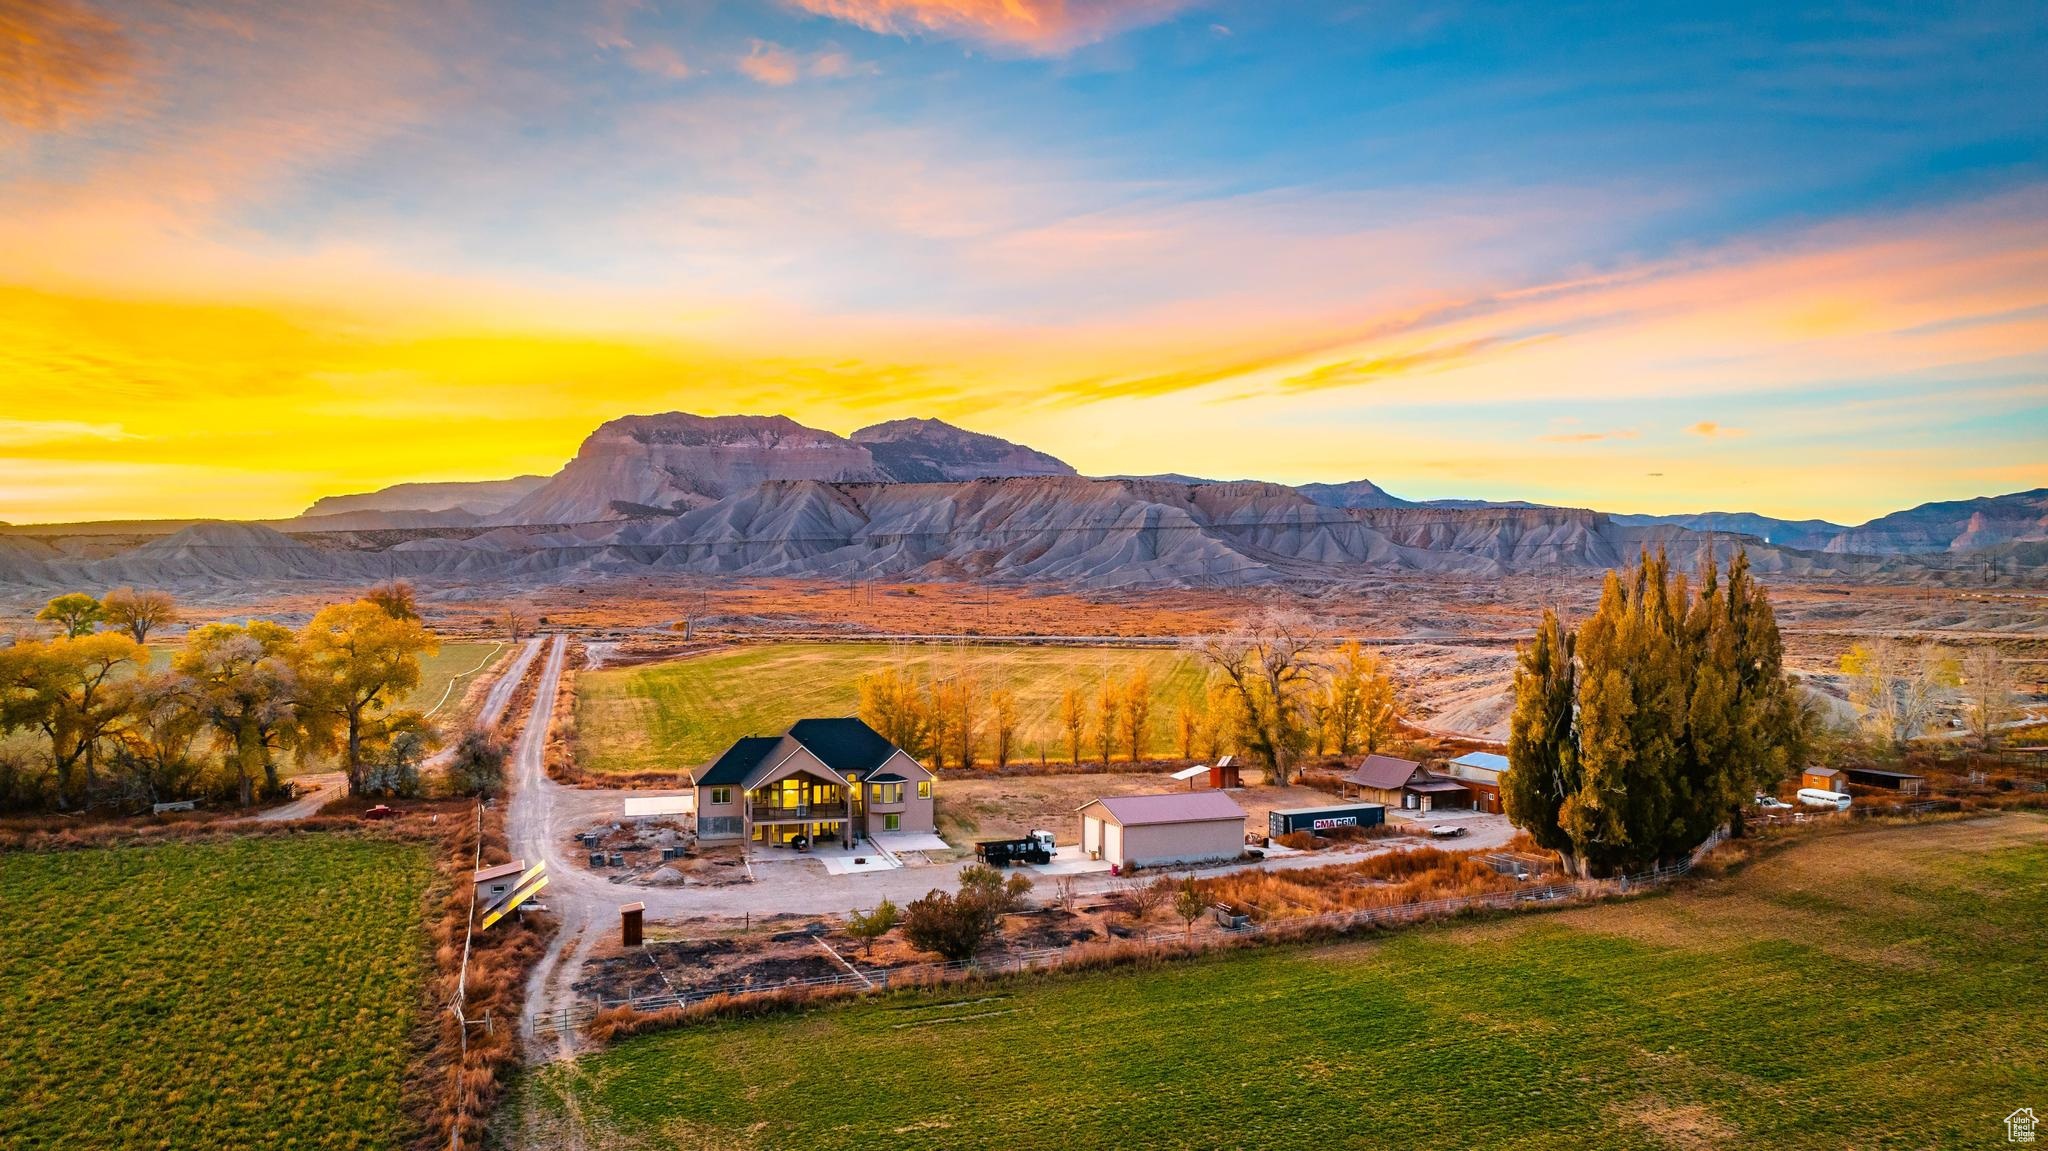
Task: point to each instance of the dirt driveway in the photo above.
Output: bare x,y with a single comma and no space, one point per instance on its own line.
997,807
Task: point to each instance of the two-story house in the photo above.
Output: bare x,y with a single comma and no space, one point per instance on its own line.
825,779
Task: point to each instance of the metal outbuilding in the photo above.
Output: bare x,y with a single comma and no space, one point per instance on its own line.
1154,830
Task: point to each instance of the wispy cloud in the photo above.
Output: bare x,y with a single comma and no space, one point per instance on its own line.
60,60
1708,429
1037,27
35,433
770,64
1588,437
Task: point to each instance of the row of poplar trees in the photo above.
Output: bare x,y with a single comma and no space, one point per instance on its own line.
1639,733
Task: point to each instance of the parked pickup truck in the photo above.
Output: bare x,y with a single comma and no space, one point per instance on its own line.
1033,848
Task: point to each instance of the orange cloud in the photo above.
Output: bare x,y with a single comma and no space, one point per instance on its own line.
769,64
1040,27
1710,430
59,62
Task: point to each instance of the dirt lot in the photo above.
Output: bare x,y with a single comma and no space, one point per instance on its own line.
995,808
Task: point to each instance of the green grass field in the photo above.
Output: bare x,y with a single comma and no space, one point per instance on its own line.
1880,988
681,714
446,674
255,994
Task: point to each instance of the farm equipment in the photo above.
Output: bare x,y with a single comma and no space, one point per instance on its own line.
382,812
1037,847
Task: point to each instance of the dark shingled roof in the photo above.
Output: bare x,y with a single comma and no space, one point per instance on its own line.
742,757
844,744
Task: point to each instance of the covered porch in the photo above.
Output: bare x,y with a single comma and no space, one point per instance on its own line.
802,809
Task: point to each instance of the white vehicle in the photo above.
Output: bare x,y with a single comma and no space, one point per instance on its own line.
1771,802
1821,797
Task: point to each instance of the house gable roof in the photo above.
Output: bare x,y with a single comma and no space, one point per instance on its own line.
1384,772
844,745
1172,807
742,757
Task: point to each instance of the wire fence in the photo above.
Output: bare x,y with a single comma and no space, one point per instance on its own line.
884,978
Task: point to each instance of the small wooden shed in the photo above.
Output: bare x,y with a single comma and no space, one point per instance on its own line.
1825,779
1223,773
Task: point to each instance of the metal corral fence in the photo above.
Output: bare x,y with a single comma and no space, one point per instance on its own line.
881,979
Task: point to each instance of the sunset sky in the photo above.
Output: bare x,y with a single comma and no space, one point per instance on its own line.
1635,257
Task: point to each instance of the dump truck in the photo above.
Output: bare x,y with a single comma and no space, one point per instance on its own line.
1036,847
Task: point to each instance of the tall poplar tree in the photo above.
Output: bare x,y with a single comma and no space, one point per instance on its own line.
1678,707
1543,744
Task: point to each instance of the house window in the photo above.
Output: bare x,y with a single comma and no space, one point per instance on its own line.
721,795
885,792
924,789
892,823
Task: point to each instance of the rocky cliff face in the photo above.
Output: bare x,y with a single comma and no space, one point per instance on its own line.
932,451
480,497
678,461
1355,494
1953,525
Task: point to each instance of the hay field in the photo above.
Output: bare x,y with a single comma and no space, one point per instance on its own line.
251,994
662,717
1874,988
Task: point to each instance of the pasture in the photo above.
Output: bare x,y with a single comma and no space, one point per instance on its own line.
666,716
251,994
1871,988
447,674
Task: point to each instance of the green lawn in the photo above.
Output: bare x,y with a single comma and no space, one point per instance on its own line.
1882,988
254,994
681,714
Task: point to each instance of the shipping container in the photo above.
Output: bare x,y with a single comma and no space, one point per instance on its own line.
1284,821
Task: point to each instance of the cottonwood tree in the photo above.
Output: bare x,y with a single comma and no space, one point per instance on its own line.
355,660
1190,723
966,690
75,692
1359,710
1898,689
139,612
245,684
892,702
1264,666
1074,721
155,750
1989,682
75,614
1109,704
1137,713
942,709
1002,704
478,765
396,598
